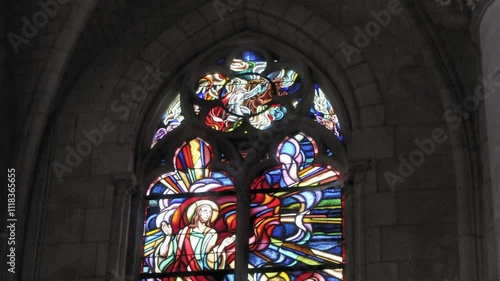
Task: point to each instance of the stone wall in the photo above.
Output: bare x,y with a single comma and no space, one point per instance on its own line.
489,39
395,90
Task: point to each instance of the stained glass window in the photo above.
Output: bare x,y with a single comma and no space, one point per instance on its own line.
252,94
170,120
255,126
190,217
296,210
322,111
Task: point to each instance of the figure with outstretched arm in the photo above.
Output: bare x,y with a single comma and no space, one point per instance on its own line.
194,247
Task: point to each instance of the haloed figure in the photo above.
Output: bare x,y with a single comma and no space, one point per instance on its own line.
194,247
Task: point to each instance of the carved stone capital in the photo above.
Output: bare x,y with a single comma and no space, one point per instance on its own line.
356,171
125,184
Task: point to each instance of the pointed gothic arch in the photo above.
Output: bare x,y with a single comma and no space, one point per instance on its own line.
249,130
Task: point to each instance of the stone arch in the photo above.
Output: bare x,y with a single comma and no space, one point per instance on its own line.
43,102
355,81
462,138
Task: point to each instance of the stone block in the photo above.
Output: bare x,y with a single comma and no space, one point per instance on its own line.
436,171
373,245
383,271
436,241
320,56
316,27
111,158
347,57
360,74
102,259
33,218
97,225
209,11
297,15
32,66
304,42
287,31
381,59
87,123
68,261
204,38
413,100
223,29
371,181
71,161
422,269
481,115
184,55
410,138
58,63
491,255
28,263
64,226
192,22
368,94
417,207
268,24
395,243
350,14
485,160
66,123
385,38
78,16
26,85
136,71
372,116
374,142
487,203
240,21
51,81
172,36
154,52
254,5
85,193
66,38
277,7
332,39
381,209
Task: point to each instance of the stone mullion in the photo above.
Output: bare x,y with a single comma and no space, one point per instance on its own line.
243,226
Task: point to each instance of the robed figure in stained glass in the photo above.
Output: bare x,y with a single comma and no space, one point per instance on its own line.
190,217
194,247
295,203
